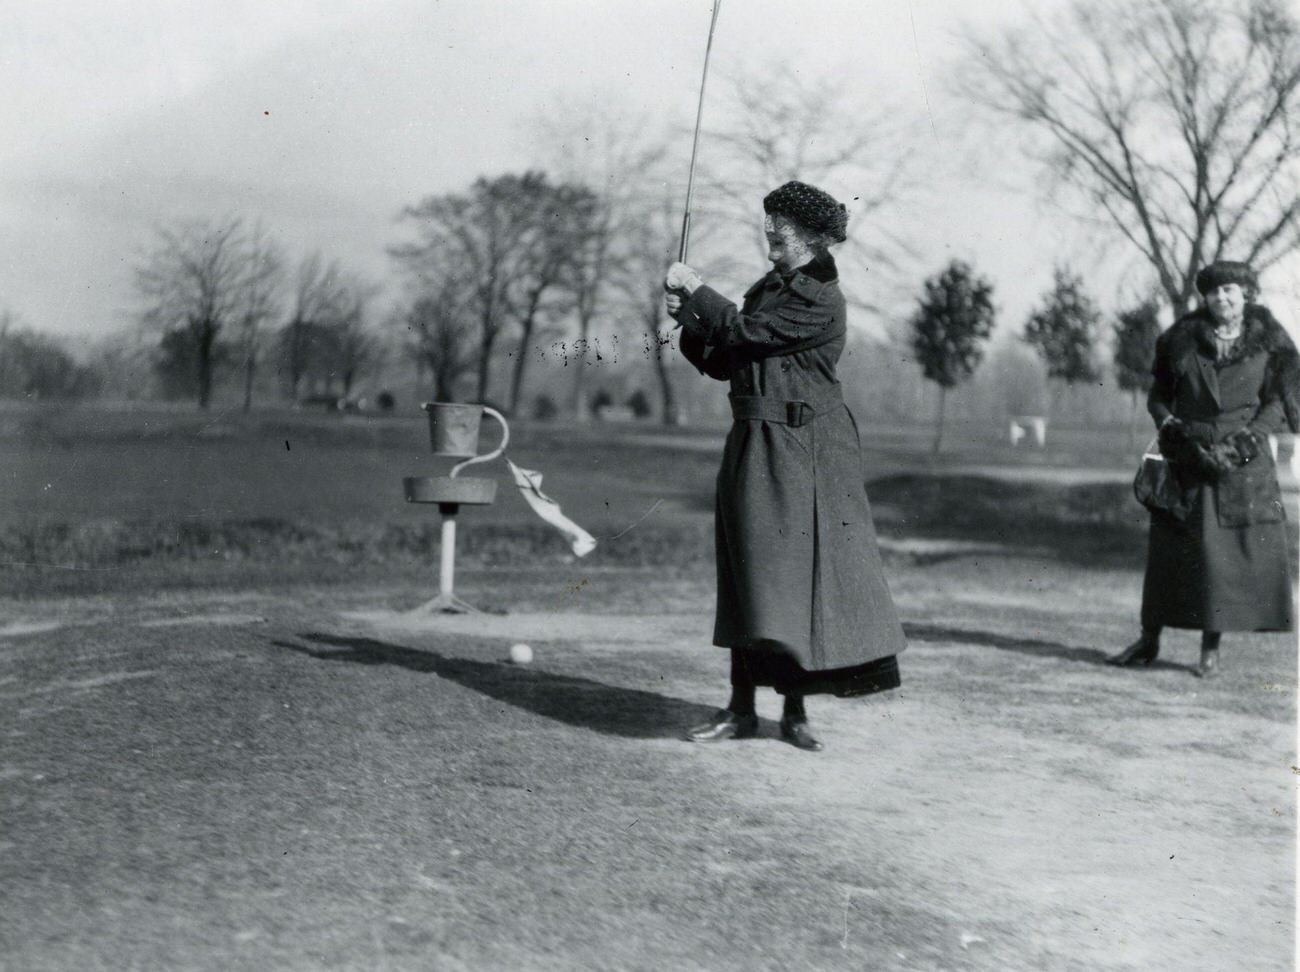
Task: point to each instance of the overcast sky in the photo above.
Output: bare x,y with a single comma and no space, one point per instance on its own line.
324,118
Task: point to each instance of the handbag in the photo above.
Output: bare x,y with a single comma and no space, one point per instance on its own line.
1156,486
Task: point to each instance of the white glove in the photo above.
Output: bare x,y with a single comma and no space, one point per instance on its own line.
682,277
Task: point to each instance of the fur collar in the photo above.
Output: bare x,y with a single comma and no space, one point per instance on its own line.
1193,334
1261,334
821,268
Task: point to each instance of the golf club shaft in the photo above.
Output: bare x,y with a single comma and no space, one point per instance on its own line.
695,142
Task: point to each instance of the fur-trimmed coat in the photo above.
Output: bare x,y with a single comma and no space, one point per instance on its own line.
1224,566
1256,387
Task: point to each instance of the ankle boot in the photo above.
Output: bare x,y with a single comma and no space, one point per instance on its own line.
725,725
1141,653
1209,666
797,733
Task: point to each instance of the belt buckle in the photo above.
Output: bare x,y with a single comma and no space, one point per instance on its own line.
795,413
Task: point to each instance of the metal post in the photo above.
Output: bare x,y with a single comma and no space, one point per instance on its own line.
447,602
447,570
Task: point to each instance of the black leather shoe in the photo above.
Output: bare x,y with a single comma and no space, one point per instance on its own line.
1141,652
725,725
798,734
1209,666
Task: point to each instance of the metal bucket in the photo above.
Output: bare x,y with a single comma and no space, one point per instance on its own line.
454,429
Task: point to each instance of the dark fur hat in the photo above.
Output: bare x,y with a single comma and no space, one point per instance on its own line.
1227,272
809,207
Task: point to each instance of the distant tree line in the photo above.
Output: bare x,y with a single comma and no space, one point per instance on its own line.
955,316
1168,125
38,367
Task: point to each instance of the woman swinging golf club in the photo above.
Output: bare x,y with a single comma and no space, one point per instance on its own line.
802,601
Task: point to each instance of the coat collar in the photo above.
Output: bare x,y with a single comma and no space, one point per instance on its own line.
1191,341
1258,333
808,278
821,268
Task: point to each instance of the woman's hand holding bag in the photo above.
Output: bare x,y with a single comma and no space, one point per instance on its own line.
1155,486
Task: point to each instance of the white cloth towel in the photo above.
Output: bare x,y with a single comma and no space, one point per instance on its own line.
530,486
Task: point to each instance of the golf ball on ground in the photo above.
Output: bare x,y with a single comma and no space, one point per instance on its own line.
521,654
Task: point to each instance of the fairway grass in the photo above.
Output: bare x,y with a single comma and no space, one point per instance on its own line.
312,778
230,743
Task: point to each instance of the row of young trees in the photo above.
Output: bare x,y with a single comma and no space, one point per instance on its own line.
1168,123
955,317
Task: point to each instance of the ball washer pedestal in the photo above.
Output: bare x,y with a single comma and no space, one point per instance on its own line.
453,431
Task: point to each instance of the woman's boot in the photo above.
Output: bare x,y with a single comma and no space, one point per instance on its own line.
1141,653
739,719
794,725
1209,666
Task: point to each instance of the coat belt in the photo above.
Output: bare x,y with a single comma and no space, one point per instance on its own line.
783,411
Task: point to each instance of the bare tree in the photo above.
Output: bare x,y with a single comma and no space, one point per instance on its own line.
355,346
483,231
588,283
1177,120
650,243
442,335
779,124
125,360
194,280
260,301
562,221
624,242
317,300
7,321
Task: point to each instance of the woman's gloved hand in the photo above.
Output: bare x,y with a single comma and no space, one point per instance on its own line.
1248,444
1221,458
1173,433
1193,449
682,277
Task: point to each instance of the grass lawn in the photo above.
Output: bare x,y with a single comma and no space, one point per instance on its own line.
97,500
230,745
309,778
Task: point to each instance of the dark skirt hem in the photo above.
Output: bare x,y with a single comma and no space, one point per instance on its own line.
1222,628
786,676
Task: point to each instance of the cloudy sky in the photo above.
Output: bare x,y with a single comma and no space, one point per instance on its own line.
323,118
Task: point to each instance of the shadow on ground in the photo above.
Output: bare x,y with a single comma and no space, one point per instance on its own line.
576,701
1023,646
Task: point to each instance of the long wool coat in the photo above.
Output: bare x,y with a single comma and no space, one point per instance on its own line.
799,570
1225,567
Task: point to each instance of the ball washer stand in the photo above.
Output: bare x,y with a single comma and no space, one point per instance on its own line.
454,432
